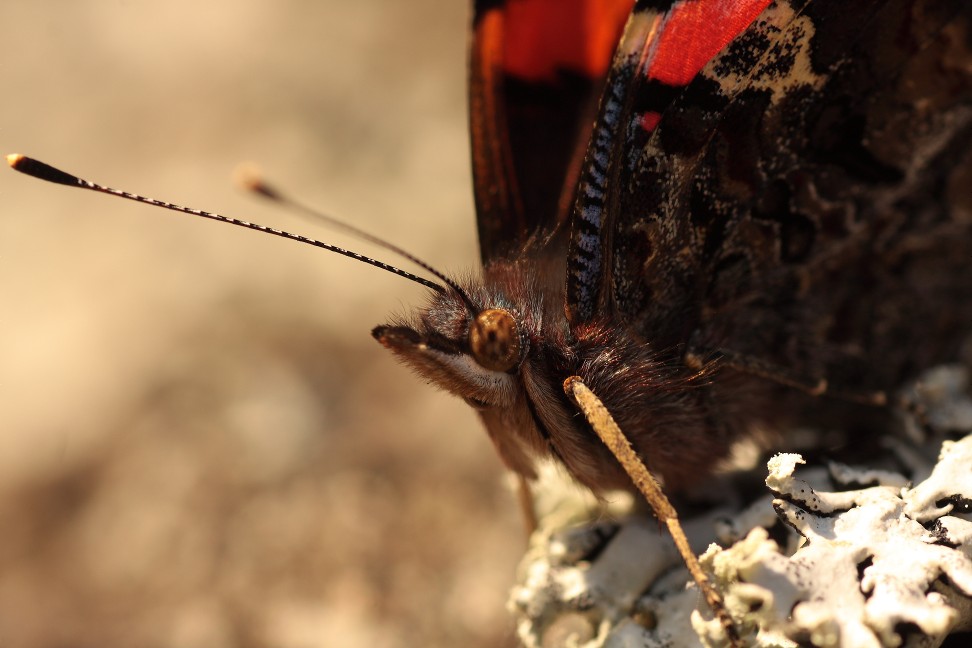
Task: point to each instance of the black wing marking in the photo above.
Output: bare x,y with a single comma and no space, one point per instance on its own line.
804,200
536,70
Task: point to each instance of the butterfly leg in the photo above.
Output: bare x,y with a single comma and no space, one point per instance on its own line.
524,495
752,365
612,436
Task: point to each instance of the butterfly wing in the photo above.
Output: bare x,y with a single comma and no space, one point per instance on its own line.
537,67
662,51
774,200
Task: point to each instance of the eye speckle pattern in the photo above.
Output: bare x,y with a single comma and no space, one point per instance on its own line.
495,340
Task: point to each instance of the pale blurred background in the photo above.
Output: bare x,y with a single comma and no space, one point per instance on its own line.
200,443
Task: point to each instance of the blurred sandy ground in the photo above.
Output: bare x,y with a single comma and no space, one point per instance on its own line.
200,443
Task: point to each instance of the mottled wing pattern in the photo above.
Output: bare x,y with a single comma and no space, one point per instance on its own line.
664,47
806,192
537,68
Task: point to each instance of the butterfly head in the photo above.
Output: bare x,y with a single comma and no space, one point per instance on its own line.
471,351
481,345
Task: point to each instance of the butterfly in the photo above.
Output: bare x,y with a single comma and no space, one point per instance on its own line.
767,223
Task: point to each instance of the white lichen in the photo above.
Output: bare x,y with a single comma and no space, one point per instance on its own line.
865,560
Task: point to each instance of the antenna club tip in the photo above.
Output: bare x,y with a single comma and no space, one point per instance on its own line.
249,177
41,171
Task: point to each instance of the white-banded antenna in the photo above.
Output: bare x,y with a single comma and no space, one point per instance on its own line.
42,171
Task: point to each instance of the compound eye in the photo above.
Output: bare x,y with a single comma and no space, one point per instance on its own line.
494,340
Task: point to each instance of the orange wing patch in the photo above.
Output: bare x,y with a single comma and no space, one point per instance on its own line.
543,36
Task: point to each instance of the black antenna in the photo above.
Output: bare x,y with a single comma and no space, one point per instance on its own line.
251,179
38,169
